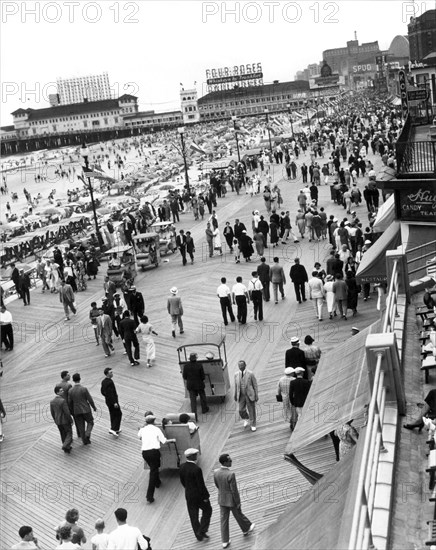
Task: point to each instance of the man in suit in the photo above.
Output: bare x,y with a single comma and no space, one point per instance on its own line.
62,418
109,288
196,493
298,390
264,270
193,373
246,395
24,286
104,331
80,403
238,228
181,245
129,337
109,391
294,356
15,278
136,304
66,297
175,309
299,277
229,500
278,279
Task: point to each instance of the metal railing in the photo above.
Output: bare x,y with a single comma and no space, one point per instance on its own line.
418,156
391,302
425,255
361,533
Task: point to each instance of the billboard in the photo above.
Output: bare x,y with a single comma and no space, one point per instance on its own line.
227,78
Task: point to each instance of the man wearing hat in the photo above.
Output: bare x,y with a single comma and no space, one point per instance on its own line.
298,275
175,309
298,390
136,304
104,331
196,494
246,395
354,331
193,373
294,356
283,393
152,438
229,500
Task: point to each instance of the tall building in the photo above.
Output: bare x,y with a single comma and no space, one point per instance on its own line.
189,103
78,89
422,35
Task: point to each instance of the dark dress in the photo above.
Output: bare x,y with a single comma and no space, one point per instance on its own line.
246,246
353,292
273,231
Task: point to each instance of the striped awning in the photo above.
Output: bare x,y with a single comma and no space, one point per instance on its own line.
339,391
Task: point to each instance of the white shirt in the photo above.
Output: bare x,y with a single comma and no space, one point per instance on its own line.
5,317
126,537
316,288
239,289
152,438
101,541
223,291
254,284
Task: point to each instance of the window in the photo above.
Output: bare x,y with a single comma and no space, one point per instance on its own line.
106,121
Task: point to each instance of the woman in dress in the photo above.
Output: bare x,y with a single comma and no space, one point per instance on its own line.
217,241
259,241
273,232
353,292
267,198
229,235
54,276
146,329
300,222
201,206
289,412
348,436
246,246
330,296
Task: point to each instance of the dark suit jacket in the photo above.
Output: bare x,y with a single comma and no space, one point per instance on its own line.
192,480
263,272
294,357
109,391
80,400
298,390
238,229
225,481
60,411
137,303
193,373
298,274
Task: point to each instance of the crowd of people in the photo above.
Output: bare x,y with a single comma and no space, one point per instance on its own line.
333,289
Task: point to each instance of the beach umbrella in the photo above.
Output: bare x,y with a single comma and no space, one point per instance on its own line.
102,211
52,211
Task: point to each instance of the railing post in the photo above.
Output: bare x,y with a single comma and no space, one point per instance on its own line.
403,273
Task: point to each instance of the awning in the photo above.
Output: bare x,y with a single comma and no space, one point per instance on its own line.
385,215
372,268
420,249
313,522
339,392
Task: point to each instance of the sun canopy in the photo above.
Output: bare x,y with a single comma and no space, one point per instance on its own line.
339,391
385,215
372,268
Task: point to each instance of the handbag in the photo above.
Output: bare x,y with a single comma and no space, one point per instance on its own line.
279,398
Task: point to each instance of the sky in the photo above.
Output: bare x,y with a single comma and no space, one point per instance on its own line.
150,47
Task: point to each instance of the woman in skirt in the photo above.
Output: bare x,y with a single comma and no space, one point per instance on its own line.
146,329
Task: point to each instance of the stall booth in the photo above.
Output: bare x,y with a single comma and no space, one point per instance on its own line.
147,250
125,265
213,357
167,237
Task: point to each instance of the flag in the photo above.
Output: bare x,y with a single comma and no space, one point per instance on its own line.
197,148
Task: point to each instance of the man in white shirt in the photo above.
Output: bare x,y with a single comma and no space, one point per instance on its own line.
223,293
7,331
240,297
28,541
152,438
255,288
316,292
125,537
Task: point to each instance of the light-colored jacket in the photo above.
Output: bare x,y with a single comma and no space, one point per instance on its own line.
174,305
250,384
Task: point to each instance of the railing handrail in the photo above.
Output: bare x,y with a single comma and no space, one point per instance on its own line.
409,250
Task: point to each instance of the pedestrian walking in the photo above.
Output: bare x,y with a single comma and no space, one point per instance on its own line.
196,494
241,298
62,418
209,238
278,279
146,329
225,298
80,403
94,314
175,309
312,354
282,395
341,295
190,246
330,296
316,293
246,395
104,331
6,328
2,415
229,235
193,374
136,304
298,275
109,392
229,500
298,391
255,292
181,245
66,297
263,269
152,438
126,537
128,335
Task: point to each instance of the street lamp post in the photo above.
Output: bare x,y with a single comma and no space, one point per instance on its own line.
236,137
290,118
267,127
307,115
85,155
181,131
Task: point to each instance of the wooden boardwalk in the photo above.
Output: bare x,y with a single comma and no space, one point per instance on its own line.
39,482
